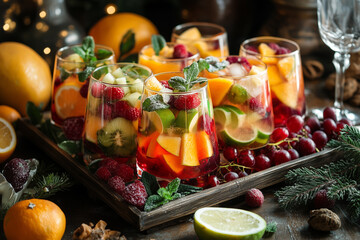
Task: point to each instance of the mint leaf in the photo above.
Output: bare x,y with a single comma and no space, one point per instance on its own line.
63,74
188,189
71,147
158,42
154,102
178,83
191,72
203,64
150,182
154,201
86,73
163,192
173,186
103,53
102,71
215,64
135,71
79,51
198,80
88,44
34,113
127,42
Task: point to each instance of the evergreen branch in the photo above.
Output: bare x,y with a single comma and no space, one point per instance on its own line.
348,142
354,205
342,188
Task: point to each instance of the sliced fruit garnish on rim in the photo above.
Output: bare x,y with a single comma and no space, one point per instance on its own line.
239,137
228,223
218,89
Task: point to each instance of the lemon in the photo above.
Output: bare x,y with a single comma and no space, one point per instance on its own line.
217,223
7,139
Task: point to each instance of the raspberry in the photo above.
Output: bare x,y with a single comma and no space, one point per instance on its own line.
180,51
123,109
254,197
273,46
73,127
256,106
321,200
282,50
103,173
166,84
135,194
117,184
132,114
16,172
84,89
105,111
125,172
97,89
242,60
186,102
111,165
252,49
113,93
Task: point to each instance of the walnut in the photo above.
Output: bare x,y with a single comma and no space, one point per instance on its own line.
313,69
355,100
354,68
97,232
351,86
324,219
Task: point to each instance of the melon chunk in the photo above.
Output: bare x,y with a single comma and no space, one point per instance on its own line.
218,89
170,143
204,146
174,163
267,54
189,156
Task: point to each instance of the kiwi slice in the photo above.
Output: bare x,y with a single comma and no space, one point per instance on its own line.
117,138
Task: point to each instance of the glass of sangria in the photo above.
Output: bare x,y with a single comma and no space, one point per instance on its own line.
112,111
172,58
210,39
282,57
176,136
241,98
73,66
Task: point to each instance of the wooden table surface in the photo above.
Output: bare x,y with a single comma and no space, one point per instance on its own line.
80,206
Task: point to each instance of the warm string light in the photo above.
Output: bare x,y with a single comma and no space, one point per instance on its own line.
110,9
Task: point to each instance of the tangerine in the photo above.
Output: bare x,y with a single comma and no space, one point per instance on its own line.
7,140
9,114
35,219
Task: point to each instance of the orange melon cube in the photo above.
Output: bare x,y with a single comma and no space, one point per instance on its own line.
189,155
267,54
218,89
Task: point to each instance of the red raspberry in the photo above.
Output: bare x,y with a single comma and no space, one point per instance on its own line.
252,49
242,60
84,89
254,197
180,51
256,106
111,165
117,184
282,51
97,89
125,172
135,194
321,200
16,172
166,84
103,173
113,93
105,111
187,102
273,46
132,114
73,127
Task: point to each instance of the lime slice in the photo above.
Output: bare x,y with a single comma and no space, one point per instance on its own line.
162,119
228,223
264,131
237,116
222,116
238,94
239,137
187,120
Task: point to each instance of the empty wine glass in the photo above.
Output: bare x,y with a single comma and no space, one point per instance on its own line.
339,25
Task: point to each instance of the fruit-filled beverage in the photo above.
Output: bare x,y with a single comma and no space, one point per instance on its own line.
176,136
71,78
171,58
210,39
242,103
113,110
283,61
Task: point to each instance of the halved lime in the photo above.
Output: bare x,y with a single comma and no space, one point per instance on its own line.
237,116
222,116
228,223
239,137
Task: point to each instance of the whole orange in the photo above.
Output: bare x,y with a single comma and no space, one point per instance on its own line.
9,114
110,30
35,219
24,76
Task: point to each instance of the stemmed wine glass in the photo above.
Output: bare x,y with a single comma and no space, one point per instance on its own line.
339,25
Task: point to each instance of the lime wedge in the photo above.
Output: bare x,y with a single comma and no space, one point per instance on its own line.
264,131
237,116
239,137
162,119
228,223
187,120
222,116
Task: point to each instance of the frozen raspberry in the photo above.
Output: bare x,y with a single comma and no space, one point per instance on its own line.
180,51
186,102
113,93
111,165
321,200
97,89
132,114
103,173
16,172
254,197
282,50
205,123
84,89
166,84
125,172
73,127
242,60
117,184
252,49
135,194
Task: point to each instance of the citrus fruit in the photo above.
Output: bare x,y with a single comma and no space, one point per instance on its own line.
111,29
24,77
7,140
68,100
287,93
92,125
218,89
161,119
228,223
153,84
274,75
222,116
173,162
187,119
286,66
9,114
171,144
237,116
267,54
239,137
204,146
189,155
34,219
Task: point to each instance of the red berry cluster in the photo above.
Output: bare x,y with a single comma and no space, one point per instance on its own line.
73,127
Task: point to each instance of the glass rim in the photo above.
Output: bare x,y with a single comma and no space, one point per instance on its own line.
121,84
276,39
101,46
174,93
222,31
173,60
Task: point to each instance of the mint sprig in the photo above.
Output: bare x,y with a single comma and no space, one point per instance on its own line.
158,42
154,102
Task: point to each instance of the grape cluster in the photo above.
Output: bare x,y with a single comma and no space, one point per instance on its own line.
299,137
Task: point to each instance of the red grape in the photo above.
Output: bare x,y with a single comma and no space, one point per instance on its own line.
320,139
230,153
329,112
293,153
262,162
213,181
295,123
279,134
230,176
313,123
281,156
306,146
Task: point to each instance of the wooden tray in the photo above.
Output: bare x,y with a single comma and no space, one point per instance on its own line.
177,208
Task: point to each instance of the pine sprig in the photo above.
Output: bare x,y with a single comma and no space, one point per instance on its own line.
348,142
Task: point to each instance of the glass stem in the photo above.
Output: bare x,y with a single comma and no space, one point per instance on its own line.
341,62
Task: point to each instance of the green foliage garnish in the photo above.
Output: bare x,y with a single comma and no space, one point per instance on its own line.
159,196
34,113
270,229
154,102
190,78
158,42
127,42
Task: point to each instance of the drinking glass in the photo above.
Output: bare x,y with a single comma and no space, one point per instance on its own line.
112,111
166,61
176,136
242,103
339,26
210,39
69,92
282,57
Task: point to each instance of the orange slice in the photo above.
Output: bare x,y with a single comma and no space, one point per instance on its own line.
154,84
174,163
170,143
204,146
191,34
92,125
189,155
286,93
68,100
267,54
7,139
274,75
218,89
286,67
